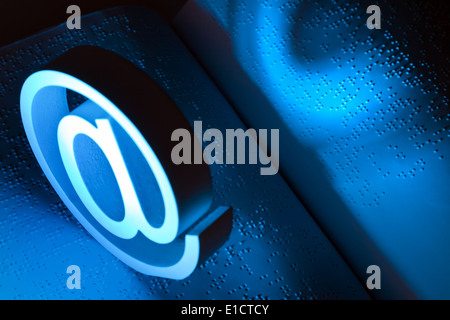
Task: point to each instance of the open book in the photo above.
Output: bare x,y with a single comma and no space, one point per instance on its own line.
363,141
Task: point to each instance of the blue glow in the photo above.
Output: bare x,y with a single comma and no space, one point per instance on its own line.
368,122
36,84
275,249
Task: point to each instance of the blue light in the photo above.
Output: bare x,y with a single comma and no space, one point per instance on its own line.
364,121
46,89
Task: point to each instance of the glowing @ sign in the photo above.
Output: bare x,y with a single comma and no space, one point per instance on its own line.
134,221
127,122
71,125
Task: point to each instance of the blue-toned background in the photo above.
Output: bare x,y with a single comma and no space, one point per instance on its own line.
275,250
364,115
364,126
